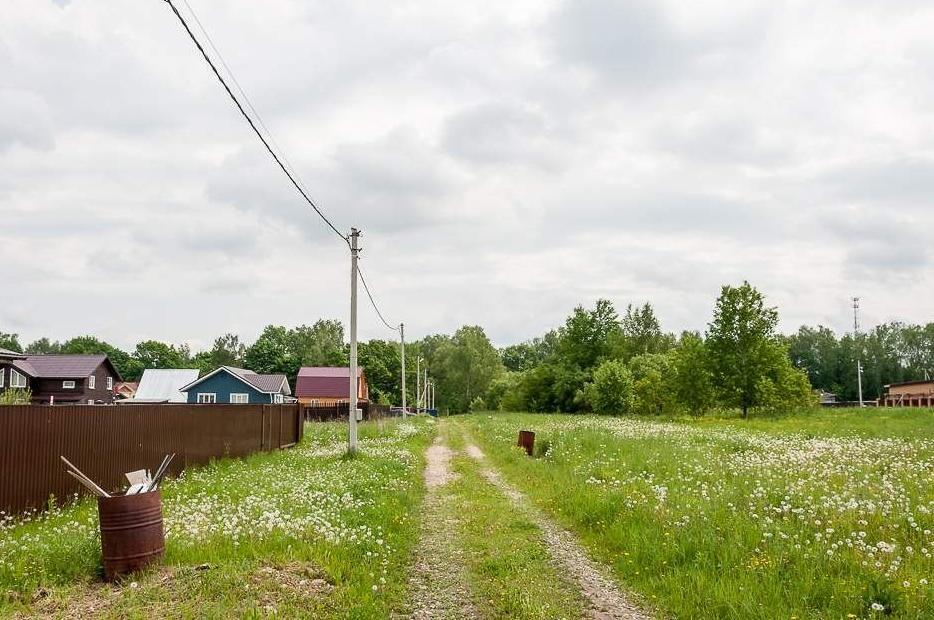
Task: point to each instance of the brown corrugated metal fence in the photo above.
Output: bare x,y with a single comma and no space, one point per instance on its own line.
106,441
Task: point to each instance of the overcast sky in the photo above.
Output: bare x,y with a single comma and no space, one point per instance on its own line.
506,161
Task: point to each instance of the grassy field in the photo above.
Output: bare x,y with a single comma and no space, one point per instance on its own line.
826,515
297,533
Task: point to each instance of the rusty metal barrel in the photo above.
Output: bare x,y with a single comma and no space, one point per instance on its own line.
527,441
132,536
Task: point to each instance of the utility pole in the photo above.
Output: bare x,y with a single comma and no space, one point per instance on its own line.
418,384
402,335
352,401
426,389
859,363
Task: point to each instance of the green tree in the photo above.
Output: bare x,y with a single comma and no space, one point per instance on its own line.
785,389
526,355
652,393
155,354
585,338
742,344
321,344
817,352
10,342
43,346
611,391
129,368
466,365
383,367
227,351
271,353
640,333
692,381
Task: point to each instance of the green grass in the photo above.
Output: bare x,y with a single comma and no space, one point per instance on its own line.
266,526
726,518
509,568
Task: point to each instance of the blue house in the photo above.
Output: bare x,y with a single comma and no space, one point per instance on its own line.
237,386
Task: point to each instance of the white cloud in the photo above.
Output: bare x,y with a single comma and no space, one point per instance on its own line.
505,161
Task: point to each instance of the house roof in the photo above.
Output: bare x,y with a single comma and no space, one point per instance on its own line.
903,383
165,383
328,371
324,381
62,366
268,384
7,354
24,366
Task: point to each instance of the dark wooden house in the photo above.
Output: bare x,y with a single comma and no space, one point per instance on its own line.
60,379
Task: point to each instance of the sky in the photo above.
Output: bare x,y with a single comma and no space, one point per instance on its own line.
505,162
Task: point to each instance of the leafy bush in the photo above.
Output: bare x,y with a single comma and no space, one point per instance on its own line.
612,388
15,396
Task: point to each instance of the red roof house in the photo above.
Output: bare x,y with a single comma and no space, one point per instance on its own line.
327,385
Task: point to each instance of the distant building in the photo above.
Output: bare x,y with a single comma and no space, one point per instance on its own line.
163,385
908,394
60,379
125,390
229,385
327,385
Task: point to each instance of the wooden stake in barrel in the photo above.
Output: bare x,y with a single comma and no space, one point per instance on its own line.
527,441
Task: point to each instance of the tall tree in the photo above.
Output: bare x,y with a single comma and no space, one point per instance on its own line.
383,369
155,354
468,364
43,346
321,344
640,333
585,338
10,342
271,353
129,368
742,344
227,351
691,375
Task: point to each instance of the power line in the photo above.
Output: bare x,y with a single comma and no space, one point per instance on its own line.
246,98
252,124
286,167
373,302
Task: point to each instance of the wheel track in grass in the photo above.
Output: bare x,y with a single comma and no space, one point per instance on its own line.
439,580
606,601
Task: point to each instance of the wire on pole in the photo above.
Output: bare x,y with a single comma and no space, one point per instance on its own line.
253,125
373,301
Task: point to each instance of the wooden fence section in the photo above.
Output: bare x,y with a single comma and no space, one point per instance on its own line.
105,441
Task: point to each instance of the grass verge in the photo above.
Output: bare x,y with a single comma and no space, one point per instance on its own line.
825,515
297,533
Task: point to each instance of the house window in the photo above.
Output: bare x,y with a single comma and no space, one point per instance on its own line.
277,399
239,399
92,381
208,398
90,401
110,383
3,374
68,385
17,380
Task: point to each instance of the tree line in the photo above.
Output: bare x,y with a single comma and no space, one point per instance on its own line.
596,361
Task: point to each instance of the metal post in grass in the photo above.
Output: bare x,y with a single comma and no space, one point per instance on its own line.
352,401
402,339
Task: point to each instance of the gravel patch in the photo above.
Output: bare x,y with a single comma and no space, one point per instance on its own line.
605,599
439,581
